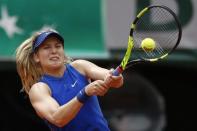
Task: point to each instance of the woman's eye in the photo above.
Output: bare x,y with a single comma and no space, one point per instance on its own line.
46,47
59,45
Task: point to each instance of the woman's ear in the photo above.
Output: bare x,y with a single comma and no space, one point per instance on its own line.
35,57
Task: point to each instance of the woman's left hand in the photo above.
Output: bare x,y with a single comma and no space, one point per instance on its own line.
113,81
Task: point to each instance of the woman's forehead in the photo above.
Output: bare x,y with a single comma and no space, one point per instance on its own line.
52,40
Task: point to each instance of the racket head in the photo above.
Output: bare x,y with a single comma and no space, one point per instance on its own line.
166,41
166,36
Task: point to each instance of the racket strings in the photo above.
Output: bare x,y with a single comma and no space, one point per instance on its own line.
164,35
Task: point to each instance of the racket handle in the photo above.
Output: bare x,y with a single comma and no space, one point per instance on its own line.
117,71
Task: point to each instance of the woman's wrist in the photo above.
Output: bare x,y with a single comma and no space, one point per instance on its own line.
82,96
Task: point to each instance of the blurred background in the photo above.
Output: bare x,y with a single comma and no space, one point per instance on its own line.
155,97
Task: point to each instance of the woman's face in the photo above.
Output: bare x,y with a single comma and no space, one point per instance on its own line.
50,54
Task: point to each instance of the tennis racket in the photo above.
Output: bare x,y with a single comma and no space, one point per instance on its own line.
159,40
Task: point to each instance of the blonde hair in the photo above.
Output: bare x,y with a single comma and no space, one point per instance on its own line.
29,71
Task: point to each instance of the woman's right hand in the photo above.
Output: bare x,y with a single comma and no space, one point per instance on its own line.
97,87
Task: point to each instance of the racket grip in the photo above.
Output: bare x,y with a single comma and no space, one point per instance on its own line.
117,71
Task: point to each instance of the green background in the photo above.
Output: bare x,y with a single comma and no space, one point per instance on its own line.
79,22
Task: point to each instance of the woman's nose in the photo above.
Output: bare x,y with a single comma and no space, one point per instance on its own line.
54,50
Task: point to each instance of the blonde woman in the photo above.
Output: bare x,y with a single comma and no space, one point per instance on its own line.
60,90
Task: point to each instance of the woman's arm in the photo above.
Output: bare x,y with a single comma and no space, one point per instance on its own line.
48,108
95,72
90,70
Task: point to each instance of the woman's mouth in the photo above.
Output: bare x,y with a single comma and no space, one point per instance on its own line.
54,58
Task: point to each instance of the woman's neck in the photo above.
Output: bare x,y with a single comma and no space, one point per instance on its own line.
55,72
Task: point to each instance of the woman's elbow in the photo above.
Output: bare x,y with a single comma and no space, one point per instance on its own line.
60,123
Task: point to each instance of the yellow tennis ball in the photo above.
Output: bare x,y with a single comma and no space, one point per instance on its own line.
148,44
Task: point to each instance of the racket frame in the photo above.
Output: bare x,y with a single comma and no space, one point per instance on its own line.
124,63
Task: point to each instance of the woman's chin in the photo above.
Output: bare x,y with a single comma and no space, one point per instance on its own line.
56,64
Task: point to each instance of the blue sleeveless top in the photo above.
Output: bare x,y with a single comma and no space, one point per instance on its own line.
63,89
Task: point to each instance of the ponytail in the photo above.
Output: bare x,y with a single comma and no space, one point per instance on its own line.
28,70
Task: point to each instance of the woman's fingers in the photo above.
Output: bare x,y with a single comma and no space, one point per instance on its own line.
96,88
100,88
114,81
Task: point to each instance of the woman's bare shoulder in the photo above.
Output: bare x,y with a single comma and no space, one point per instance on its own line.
39,88
80,65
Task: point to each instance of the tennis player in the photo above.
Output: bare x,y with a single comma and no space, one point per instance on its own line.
63,92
